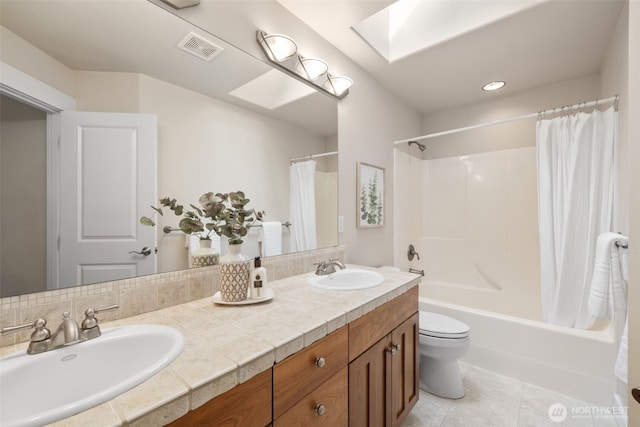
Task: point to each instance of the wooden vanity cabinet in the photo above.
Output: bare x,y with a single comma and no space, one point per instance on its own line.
246,405
363,374
310,388
383,378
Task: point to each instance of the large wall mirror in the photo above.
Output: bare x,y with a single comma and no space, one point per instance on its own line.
223,124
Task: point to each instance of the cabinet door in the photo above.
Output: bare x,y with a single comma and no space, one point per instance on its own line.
404,369
369,386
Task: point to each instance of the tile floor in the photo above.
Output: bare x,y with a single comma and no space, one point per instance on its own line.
494,400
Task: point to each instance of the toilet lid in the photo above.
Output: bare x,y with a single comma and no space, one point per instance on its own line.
438,325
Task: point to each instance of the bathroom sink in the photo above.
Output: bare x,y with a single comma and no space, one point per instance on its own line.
348,279
46,387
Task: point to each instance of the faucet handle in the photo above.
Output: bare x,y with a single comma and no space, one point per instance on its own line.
321,267
41,333
90,320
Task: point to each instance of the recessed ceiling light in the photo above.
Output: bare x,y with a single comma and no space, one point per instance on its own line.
493,86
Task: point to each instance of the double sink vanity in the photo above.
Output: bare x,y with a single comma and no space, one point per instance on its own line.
316,354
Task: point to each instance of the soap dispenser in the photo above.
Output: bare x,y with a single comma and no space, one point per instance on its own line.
258,279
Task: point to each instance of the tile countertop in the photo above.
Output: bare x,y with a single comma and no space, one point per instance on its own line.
227,345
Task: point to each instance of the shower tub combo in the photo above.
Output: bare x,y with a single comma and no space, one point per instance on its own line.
473,221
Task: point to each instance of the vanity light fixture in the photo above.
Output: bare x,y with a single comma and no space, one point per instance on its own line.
278,47
337,84
280,50
311,68
493,86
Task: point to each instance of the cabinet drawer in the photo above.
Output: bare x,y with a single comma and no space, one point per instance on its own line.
304,371
370,328
330,400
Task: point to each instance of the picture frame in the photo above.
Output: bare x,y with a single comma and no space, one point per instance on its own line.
370,196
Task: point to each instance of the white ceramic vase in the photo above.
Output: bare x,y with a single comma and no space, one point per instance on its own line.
205,255
234,275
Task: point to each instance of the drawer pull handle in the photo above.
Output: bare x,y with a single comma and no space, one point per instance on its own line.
320,409
320,362
393,349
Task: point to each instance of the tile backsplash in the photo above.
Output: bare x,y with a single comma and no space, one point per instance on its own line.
141,294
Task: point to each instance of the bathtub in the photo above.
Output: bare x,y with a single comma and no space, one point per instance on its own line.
573,362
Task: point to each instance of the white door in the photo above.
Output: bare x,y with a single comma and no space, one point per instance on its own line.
108,165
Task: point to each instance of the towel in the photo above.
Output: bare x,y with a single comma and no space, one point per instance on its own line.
620,368
608,284
192,243
271,238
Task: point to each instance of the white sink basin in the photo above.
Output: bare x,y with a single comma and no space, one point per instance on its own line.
46,387
348,279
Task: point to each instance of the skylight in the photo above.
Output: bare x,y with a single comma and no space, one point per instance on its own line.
272,89
409,26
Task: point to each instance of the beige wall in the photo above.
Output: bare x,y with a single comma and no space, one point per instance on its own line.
23,188
369,121
326,207
614,80
31,60
107,92
516,134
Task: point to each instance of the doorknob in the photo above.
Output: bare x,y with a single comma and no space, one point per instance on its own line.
635,392
145,251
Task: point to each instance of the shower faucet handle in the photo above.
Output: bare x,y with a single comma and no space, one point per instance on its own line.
411,253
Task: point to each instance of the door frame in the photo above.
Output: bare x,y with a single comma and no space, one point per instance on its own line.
24,88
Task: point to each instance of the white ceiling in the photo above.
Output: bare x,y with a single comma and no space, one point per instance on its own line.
548,42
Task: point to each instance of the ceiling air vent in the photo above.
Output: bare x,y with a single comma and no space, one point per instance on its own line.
200,47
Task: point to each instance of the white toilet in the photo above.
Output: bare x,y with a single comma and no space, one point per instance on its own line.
442,341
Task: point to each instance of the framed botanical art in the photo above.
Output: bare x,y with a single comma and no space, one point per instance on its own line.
370,208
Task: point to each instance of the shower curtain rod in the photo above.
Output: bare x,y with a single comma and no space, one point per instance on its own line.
312,156
512,119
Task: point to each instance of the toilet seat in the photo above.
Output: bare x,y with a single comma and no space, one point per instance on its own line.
440,326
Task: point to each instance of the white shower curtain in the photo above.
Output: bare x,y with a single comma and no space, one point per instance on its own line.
303,204
576,190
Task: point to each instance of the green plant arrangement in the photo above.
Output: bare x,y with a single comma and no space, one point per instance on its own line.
223,214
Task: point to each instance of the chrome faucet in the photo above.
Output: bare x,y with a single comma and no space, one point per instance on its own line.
328,267
67,333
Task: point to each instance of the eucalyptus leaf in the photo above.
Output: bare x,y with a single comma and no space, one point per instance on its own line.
225,214
147,221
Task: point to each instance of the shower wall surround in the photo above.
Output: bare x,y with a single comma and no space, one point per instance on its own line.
473,219
142,294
